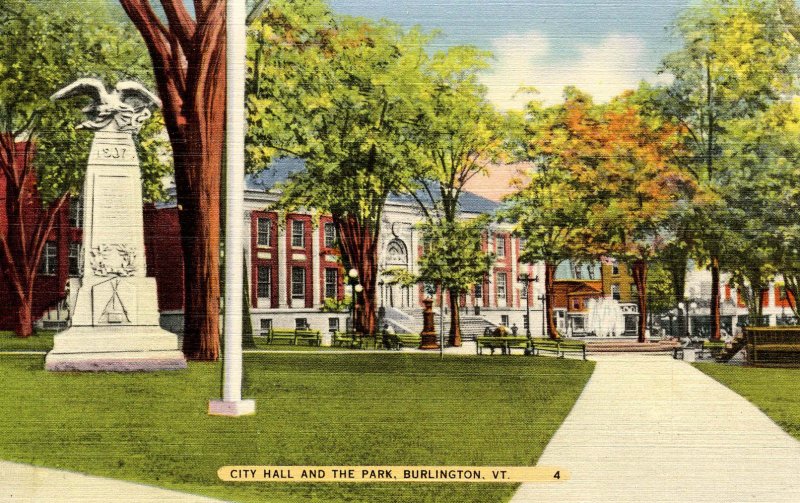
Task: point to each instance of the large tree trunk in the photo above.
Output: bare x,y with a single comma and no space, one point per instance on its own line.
791,284
455,320
24,325
639,271
360,251
189,66
549,303
714,308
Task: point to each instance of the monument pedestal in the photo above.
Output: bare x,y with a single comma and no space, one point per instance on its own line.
115,319
429,337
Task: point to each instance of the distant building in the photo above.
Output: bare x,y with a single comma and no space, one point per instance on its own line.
776,304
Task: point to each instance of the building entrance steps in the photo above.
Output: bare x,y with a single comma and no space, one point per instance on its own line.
648,428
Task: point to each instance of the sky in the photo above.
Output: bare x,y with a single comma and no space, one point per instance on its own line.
603,47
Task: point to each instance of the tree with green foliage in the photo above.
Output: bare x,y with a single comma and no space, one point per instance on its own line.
454,259
761,195
736,59
42,156
340,93
458,133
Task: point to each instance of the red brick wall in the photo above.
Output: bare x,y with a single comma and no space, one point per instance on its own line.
162,242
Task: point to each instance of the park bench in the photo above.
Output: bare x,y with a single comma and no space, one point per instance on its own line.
369,340
278,335
773,346
558,346
346,339
408,340
310,337
504,343
711,349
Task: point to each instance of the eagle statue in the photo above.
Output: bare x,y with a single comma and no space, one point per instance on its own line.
125,109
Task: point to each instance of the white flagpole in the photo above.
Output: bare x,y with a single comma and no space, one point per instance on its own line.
232,403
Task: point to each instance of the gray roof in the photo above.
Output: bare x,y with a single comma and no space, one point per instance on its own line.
282,169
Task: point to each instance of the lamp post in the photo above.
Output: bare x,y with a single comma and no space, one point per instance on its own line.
542,298
381,309
526,278
355,287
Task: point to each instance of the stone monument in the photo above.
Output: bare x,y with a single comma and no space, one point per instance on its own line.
115,319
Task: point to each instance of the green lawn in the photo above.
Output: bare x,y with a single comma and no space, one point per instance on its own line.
774,391
313,409
39,341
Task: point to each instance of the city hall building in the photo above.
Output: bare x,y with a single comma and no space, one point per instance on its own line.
294,264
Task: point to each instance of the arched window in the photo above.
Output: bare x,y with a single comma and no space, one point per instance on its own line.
396,254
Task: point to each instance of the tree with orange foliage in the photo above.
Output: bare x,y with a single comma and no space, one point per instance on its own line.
549,210
635,187
606,182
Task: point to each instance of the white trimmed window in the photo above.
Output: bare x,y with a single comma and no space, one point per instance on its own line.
49,261
298,234
298,283
75,260
501,247
264,287
331,283
76,212
330,235
502,286
264,232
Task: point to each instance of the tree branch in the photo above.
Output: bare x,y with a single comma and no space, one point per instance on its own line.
180,22
256,11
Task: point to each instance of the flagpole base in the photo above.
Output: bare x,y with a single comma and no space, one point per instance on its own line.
234,408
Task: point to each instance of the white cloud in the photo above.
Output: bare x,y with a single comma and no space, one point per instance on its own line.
614,64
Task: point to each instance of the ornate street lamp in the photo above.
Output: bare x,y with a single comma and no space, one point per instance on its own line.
526,278
352,279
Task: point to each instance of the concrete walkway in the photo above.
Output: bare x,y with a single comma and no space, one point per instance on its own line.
651,429
30,484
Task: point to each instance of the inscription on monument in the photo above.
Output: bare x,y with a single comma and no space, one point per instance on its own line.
115,215
116,153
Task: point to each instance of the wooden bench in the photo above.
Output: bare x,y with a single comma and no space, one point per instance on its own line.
310,337
710,348
408,340
558,346
773,346
504,343
346,339
278,335
369,340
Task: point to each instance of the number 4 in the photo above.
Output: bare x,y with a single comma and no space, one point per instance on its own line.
557,475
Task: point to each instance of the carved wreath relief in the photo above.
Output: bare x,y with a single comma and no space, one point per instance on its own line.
113,260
